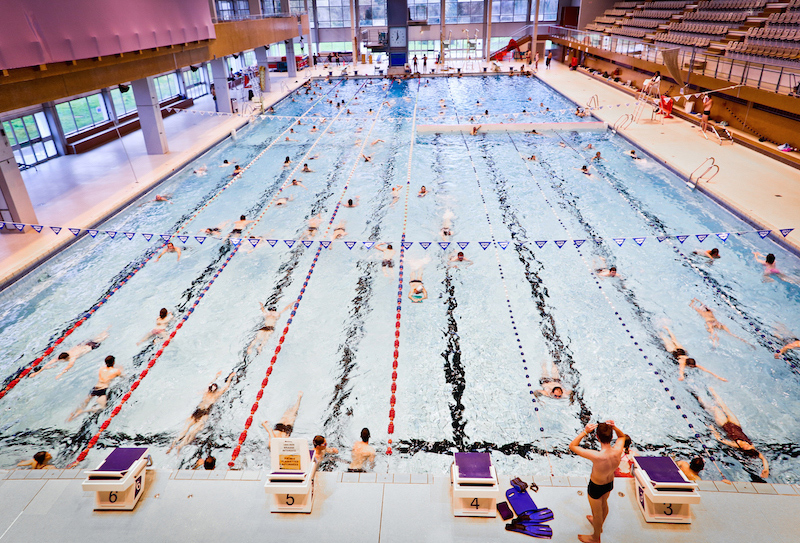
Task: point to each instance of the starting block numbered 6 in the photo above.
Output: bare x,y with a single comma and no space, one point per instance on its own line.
119,482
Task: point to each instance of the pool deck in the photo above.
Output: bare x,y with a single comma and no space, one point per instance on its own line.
369,507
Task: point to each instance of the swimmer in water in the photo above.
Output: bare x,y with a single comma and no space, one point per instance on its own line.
532,157
225,164
339,231
377,141
236,170
597,157
40,461
589,147
100,390
314,129
396,194
367,158
422,191
562,144
789,346
283,201
271,316
160,331
551,384
475,129
158,199
387,263
239,226
285,426
632,154
770,269
457,259
313,227
306,169
71,355
585,171
712,324
298,183
736,438
679,355
352,202
170,248
287,162
711,254
692,469
416,289
201,171
197,420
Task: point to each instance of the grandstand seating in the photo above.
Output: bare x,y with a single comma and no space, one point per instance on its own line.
717,16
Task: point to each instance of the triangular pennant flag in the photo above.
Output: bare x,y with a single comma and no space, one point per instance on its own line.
21,226
111,234
786,231
598,240
55,229
165,237
619,241
272,242
764,233
148,237
503,244
307,243
681,238
639,241
578,242
368,244
325,244
2,225
236,241
289,242
444,244
701,237
129,235
37,227
183,238
75,231
253,241
462,244
560,242
484,244
425,244
93,233
350,244
407,244
200,239
661,238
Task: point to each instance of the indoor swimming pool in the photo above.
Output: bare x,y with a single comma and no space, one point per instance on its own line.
526,299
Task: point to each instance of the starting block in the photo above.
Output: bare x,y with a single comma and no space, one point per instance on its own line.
475,485
119,482
663,492
291,481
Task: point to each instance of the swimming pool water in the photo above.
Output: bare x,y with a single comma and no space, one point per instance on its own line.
465,373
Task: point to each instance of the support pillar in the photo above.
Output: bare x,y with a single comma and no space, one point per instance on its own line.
152,124
310,41
291,61
535,35
353,29
56,129
487,30
15,203
109,102
442,30
261,60
219,71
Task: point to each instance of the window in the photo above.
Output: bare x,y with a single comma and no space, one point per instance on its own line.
82,113
30,139
230,10
425,10
270,7
333,13
509,11
297,7
124,102
463,11
372,12
166,86
195,83
548,10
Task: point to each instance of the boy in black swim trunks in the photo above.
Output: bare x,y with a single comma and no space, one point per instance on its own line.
100,390
601,481
73,354
197,420
271,317
285,426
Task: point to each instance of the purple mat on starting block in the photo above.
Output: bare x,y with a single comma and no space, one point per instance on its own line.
474,465
660,469
122,459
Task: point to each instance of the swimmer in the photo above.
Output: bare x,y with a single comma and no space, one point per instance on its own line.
416,289
551,384
736,438
216,231
160,331
387,262
306,169
298,183
339,231
159,198
532,131
71,355
475,129
447,225
377,141
285,426
313,227
289,139
236,170
396,194
170,248
562,144
712,324
597,156
585,171
197,420
321,449
711,254
458,259
422,191
367,158
532,158
287,162
692,469
263,334
314,129
679,354
589,147
225,164
100,390
239,226
579,113
632,154
362,454
787,347
626,461
40,461
270,109
352,202
201,171
769,266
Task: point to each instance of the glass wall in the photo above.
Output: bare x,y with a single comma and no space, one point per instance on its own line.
463,11
195,83
333,13
124,102
510,11
228,10
166,86
297,6
270,7
548,10
425,10
372,12
82,113
30,139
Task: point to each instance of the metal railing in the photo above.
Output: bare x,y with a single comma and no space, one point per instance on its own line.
247,17
769,77
708,174
593,102
622,123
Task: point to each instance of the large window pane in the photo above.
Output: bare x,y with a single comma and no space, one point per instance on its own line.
9,133
97,108
65,116
41,124
80,111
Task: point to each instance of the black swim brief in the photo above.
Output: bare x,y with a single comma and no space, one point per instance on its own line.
388,263
236,231
598,491
99,392
92,344
199,413
267,329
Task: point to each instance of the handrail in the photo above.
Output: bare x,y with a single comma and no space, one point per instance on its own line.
622,123
593,102
713,131
702,177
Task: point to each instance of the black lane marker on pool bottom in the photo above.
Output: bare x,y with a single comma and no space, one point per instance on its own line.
453,368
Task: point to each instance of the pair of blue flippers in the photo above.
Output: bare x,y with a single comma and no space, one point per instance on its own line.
530,519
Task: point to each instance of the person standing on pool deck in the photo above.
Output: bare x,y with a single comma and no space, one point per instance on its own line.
548,60
197,420
100,390
71,355
362,453
707,103
271,317
601,481
285,426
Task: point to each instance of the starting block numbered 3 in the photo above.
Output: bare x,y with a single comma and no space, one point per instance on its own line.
119,482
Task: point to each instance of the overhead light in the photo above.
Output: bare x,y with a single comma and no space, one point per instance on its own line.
124,88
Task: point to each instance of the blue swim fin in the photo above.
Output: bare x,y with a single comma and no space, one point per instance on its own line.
538,515
542,531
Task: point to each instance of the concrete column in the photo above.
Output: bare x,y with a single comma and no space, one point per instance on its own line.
442,30
310,40
261,60
56,129
152,124
353,30
13,194
291,61
219,72
181,81
112,111
487,29
204,67
315,30
535,33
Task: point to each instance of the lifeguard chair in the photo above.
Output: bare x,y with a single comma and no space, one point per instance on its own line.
119,482
475,485
291,481
663,492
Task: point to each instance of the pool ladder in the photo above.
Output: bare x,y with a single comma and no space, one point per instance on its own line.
622,123
710,171
725,137
593,102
